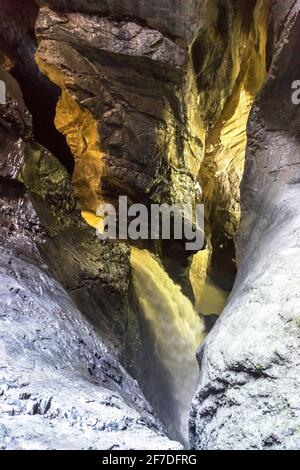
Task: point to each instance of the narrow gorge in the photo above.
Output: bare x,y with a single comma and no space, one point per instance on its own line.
142,343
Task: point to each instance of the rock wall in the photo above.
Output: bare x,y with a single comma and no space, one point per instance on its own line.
177,18
247,396
149,100
17,48
229,59
127,83
61,386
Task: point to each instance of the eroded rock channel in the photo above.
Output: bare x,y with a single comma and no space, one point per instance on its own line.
164,102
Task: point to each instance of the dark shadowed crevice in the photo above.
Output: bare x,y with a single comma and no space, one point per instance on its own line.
41,99
223,268
11,188
18,44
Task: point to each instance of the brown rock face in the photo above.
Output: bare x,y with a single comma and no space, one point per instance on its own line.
55,281
177,18
129,81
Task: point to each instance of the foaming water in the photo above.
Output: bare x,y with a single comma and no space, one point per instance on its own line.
177,328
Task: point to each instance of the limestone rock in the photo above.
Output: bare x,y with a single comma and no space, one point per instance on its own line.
248,394
148,99
177,18
61,386
127,83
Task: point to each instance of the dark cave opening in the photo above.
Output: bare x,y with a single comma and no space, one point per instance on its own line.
44,130
18,45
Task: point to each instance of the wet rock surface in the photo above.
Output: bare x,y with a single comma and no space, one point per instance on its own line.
248,394
17,48
175,18
130,82
148,100
61,386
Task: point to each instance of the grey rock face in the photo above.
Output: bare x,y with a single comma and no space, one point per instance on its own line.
132,79
248,394
142,85
176,18
61,386
124,37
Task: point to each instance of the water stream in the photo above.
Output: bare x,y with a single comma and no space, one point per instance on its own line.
177,328
174,330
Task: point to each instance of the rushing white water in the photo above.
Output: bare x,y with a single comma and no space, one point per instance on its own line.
171,318
177,328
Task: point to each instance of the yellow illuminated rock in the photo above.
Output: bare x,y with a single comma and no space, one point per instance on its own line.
93,220
226,139
223,164
209,298
81,131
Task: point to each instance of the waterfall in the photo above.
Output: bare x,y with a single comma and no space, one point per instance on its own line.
175,325
176,329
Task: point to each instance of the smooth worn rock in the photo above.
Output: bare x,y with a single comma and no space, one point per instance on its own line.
125,107
61,386
148,99
248,394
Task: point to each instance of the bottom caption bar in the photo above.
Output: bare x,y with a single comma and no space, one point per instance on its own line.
132,459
